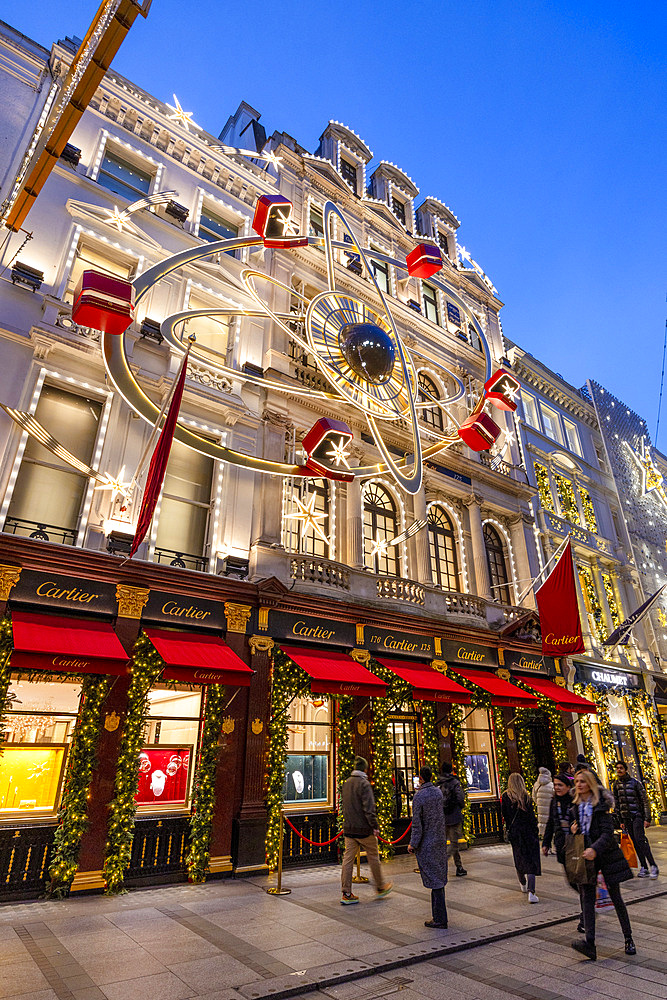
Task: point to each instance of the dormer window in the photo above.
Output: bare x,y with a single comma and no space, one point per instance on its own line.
348,172
398,208
443,242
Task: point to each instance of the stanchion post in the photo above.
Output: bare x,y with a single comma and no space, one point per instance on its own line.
277,890
359,878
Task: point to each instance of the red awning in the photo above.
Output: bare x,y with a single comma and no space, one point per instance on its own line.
427,683
48,642
503,694
563,698
199,659
335,673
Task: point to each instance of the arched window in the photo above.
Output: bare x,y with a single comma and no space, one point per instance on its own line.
495,559
428,389
301,537
442,546
380,526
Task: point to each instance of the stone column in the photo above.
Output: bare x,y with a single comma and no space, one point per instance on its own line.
355,526
483,583
423,566
591,640
602,595
266,535
519,527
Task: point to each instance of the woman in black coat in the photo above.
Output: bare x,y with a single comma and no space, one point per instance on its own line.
522,832
589,814
558,824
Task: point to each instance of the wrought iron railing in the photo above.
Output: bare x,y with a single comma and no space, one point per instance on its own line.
24,860
498,464
159,847
183,560
40,530
486,820
318,827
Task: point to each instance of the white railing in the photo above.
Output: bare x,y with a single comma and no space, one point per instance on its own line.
393,588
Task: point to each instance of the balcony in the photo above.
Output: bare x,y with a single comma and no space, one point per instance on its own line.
397,589
182,560
40,531
323,572
503,468
548,521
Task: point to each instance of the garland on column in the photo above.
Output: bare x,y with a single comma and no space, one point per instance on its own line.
430,737
203,803
645,758
556,727
459,760
6,639
585,723
146,668
502,760
81,762
604,726
525,748
382,772
287,682
344,750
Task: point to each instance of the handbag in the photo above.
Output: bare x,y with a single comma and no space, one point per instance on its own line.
628,849
578,869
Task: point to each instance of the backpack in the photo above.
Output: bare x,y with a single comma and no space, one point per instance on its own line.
448,797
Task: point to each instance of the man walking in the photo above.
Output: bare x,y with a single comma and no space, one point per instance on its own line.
633,809
428,841
453,798
360,826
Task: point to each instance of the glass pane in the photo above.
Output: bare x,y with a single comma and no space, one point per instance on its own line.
213,227
306,778
182,527
71,419
41,711
123,178
30,778
212,332
90,258
163,702
164,775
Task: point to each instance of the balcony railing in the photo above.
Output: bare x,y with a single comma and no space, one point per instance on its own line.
550,521
182,560
395,589
497,464
465,604
40,531
311,569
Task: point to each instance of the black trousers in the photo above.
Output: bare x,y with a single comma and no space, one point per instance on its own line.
587,894
635,827
438,907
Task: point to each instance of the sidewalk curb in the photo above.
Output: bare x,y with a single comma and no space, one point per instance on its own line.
298,983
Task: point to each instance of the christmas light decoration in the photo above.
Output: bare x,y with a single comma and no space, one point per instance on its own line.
544,488
593,605
146,668
81,763
6,645
599,697
556,727
181,117
502,760
611,599
344,748
459,761
589,510
383,765
430,736
567,499
636,703
203,803
524,747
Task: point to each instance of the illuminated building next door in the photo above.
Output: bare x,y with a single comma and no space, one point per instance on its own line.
403,737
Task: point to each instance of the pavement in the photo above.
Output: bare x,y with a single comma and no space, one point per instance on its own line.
230,940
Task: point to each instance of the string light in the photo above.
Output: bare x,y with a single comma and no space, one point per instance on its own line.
203,805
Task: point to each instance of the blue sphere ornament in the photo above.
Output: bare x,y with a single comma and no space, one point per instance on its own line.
368,350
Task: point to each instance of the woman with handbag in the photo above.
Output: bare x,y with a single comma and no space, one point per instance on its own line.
521,826
558,823
590,817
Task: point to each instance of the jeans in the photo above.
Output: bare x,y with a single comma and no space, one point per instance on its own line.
587,895
453,835
635,827
438,907
530,879
370,846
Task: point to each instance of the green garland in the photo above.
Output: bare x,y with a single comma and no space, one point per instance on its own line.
556,727
203,803
585,725
604,727
81,763
430,737
344,752
6,640
502,760
635,702
146,668
459,762
382,772
525,747
288,681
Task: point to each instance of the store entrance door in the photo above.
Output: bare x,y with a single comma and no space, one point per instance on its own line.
540,740
403,736
626,749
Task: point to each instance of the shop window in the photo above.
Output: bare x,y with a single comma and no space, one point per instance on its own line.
48,494
479,759
185,507
403,740
380,526
310,542
36,732
212,332
381,271
124,178
497,563
348,172
166,763
572,436
430,300
442,546
309,761
90,256
428,390
214,227
530,414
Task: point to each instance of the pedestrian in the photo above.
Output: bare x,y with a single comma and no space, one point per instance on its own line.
521,826
590,815
360,827
543,793
428,841
558,824
453,799
633,811
565,767
585,765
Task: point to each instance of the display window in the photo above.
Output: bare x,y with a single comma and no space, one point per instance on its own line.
166,763
309,761
479,757
405,748
37,730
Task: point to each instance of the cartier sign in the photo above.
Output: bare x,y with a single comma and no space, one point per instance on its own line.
398,643
179,610
467,652
305,628
50,590
530,662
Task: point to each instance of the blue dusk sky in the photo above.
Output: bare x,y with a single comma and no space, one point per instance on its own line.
540,124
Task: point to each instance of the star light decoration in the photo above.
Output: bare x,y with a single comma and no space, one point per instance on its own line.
652,478
117,218
338,453
309,517
118,487
184,118
271,159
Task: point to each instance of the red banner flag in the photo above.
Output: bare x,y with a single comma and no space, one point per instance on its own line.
158,466
559,610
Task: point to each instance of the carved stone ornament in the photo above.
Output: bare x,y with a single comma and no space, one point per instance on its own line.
257,726
439,665
131,600
510,734
568,734
277,419
503,674
237,616
263,619
362,727
560,681
111,722
227,725
260,644
360,655
9,575
444,732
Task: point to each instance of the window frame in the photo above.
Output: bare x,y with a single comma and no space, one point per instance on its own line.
569,425
501,555
431,298
375,511
297,806
206,212
112,151
529,408
431,415
449,534
352,169
159,808
547,412
467,727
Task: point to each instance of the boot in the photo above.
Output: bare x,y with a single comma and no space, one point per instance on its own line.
630,946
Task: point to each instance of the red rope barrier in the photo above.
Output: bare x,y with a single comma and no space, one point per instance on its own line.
399,839
315,843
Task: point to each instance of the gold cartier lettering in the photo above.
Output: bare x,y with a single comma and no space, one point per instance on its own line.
173,609
469,654
391,643
314,632
51,589
71,664
529,664
561,640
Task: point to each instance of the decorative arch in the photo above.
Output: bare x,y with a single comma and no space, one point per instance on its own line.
456,521
500,561
428,384
377,529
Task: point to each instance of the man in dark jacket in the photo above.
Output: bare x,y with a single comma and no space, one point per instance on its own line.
633,811
429,842
360,826
453,798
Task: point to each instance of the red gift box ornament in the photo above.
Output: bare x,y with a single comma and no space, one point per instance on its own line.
479,431
273,221
325,445
424,260
502,390
103,303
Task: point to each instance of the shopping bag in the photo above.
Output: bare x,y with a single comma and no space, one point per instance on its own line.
628,849
602,897
579,871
